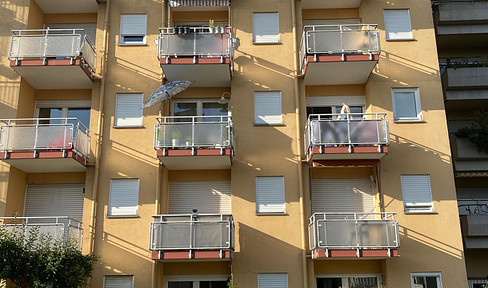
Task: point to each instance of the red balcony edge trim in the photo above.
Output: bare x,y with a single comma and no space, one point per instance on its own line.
52,62
189,255
349,253
188,152
338,58
189,60
345,150
43,155
346,163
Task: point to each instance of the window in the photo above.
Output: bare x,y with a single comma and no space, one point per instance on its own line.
124,197
417,195
406,104
118,282
397,24
270,195
426,280
266,28
128,110
133,29
348,281
267,108
273,280
196,281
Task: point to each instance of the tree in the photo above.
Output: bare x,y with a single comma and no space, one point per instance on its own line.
477,133
31,259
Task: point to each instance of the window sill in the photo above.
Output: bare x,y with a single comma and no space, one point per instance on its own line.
122,216
133,44
409,121
420,212
267,43
401,40
128,127
266,125
271,214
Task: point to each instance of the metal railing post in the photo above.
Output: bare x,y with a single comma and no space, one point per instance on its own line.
36,134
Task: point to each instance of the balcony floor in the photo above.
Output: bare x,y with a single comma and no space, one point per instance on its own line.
46,161
182,159
56,74
318,254
333,70
194,255
343,153
206,72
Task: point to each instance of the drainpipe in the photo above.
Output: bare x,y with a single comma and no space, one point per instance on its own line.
98,149
299,146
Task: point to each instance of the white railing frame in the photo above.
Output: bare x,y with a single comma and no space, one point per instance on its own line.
167,120
309,30
86,49
72,223
79,127
314,241
192,218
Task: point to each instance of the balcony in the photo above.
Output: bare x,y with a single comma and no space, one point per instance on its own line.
53,58
330,4
466,156
475,227
353,235
191,237
196,54
461,25
58,228
43,145
466,83
194,142
338,54
353,136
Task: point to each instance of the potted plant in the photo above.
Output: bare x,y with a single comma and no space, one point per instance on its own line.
188,141
175,135
211,26
178,30
221,29
186,29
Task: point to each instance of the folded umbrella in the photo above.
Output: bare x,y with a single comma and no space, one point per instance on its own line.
166,91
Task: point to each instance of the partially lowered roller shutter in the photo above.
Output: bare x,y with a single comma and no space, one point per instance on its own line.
212,197
54,200
342,195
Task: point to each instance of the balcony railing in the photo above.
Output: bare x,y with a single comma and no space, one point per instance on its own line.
353,231
193,132
194,42
57,228
44,134
192,232
339,39
56,43
346,129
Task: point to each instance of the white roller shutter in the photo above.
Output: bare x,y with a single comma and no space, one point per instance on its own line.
266,28
270,194
417,195
90,28
118,282
397,24
273,280
133,24
54,200
124,197
267,108
206,196
128,110
342,195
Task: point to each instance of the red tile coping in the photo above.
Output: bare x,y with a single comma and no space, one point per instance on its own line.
189,60
191,254
52,62
188,152
43,155
338,58
346,163
349,253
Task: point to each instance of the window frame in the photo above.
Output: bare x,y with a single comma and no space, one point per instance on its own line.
140,122
418,106
417,209
281,211
437,275
132,276
256,42
387,36
109,208
261,122
122,42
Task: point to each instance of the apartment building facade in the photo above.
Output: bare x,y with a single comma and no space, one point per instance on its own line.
311,150
461,34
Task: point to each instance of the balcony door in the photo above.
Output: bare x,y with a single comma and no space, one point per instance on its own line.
204,107
333,104
196,281
208,197
64,109
349,281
